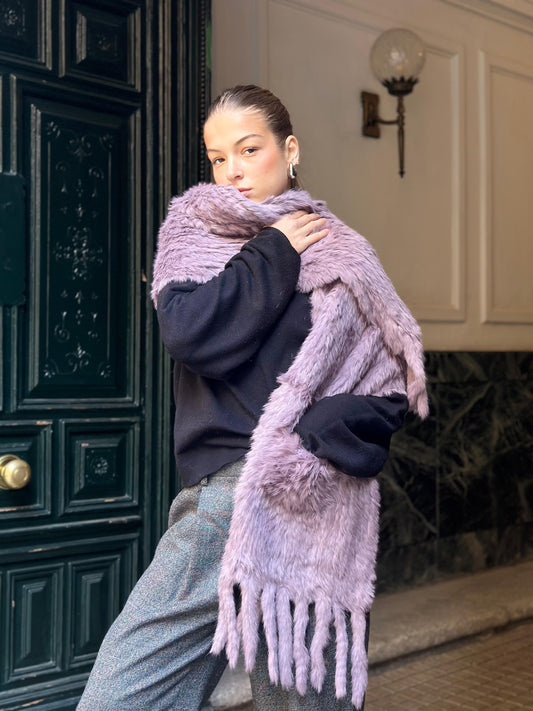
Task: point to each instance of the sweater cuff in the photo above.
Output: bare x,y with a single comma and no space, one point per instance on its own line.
353,432
280,241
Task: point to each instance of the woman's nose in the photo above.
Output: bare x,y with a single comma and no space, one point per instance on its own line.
234,169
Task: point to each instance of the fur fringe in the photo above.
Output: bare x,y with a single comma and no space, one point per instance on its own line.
302,533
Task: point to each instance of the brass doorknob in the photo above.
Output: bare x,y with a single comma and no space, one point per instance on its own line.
15,473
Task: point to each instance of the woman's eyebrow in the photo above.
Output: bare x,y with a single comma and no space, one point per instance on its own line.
249,135
244,138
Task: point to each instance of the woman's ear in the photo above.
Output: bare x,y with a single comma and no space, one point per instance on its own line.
292,149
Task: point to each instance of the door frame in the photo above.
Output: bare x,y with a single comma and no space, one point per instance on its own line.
181,59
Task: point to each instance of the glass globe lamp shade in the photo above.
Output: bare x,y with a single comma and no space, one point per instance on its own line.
397,58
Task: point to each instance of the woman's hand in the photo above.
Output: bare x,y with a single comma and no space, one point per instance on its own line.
302,229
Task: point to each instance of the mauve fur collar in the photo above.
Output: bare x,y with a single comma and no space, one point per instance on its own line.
302,532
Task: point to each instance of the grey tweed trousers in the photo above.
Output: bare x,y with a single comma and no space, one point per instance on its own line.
155,656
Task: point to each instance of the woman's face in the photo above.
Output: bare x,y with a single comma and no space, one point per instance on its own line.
245,153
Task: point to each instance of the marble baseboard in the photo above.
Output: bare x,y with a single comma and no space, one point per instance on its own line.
409,482
457,491
405,566
478,550
478,367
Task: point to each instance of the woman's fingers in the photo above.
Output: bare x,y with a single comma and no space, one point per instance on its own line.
317,236
302,229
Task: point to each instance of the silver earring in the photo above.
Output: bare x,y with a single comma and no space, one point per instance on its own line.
292,172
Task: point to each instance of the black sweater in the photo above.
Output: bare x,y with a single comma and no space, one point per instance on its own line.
230,338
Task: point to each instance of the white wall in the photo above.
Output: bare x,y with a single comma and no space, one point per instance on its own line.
456,233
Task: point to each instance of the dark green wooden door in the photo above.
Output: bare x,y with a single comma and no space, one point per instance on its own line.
98,100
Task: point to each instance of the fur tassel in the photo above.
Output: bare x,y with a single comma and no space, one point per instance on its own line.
268,606
359,658
301,653
319,642
227,632
341,652
249,621
285,652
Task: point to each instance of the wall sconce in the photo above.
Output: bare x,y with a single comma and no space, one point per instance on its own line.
396,58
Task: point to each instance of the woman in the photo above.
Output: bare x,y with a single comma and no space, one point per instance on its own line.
295,363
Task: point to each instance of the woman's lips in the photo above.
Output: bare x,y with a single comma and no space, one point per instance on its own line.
245,191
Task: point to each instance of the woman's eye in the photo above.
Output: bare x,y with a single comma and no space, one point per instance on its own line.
249,151
217,161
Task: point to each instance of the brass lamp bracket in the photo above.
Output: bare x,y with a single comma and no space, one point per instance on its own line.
370,114
371,121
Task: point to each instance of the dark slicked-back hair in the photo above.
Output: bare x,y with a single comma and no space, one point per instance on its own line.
253,98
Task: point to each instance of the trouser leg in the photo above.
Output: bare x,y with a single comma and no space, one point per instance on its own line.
268,697
156,654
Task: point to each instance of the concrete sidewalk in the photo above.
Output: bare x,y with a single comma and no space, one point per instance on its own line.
492,670
424,618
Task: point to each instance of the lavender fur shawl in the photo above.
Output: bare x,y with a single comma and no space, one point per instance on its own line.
302,532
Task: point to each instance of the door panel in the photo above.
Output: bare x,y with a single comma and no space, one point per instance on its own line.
99,465
25,32
34,636
103,46
94,601
94,142
63,597
81,168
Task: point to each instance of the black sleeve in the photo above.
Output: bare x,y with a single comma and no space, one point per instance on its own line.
214,328
353,432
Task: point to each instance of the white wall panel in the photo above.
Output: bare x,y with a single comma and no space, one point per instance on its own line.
506,93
